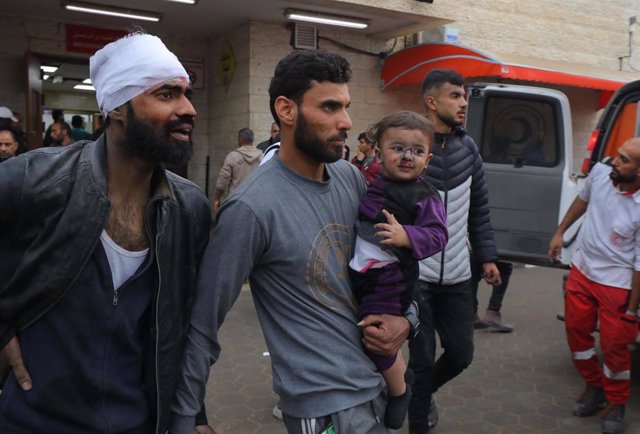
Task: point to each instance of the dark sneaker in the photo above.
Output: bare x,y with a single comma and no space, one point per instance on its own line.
613,419
590,401
432,417
396,410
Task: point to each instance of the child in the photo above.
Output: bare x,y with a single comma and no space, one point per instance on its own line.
401,220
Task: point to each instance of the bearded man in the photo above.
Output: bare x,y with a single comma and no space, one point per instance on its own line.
604,284
100,248
296,261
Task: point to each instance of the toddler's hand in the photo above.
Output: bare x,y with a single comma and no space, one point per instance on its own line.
392,232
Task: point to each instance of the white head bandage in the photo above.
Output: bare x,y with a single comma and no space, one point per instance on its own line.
129,66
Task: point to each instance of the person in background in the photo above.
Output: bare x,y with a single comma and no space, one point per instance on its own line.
58,116
401,220
21,136
492,318
366,160
275,130
237,165
77,131
603,286
444,290
60,134
8,144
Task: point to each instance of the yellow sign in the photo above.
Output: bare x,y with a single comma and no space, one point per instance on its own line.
227,65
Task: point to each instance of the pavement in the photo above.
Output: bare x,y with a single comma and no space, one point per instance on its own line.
519,383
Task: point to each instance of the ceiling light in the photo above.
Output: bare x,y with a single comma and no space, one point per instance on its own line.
45,77
332,20
49,69
84,87
87,81
188,2
112,11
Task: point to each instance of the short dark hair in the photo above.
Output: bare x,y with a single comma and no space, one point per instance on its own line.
436,78
406,120
77,121
296,72
64,125
57,114
245,135
363,136
10,130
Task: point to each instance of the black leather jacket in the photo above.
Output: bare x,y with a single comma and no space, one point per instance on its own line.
53,207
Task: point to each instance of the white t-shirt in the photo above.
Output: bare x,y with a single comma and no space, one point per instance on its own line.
123,263
608,245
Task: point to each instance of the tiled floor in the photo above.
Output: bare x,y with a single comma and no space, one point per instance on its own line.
519,383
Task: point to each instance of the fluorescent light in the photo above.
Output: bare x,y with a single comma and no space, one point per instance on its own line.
332,20
87,81
188,2
45,77
49,69
112,11
84,87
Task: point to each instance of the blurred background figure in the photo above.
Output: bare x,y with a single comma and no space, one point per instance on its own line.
77,131
60,134
366,159
58,116
238,164
8,144
275,130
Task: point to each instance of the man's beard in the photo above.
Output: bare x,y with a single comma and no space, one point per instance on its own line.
308,142
622,179
146,143
449,121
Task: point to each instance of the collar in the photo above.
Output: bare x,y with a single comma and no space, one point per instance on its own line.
633,194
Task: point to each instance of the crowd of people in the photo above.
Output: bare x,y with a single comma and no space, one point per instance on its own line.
114,285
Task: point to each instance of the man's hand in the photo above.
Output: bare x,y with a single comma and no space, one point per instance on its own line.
11,358
392,232
490,274
384,334
555,247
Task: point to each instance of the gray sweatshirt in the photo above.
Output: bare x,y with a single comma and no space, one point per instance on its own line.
293,238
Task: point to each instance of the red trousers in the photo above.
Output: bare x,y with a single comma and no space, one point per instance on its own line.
585,303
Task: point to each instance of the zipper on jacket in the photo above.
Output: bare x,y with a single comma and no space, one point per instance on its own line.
156,322
445,188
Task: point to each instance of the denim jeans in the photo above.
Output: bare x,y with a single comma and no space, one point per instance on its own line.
447,310
497,292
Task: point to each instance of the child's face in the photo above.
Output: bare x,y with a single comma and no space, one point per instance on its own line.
405,153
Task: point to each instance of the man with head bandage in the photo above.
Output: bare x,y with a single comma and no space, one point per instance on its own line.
102,245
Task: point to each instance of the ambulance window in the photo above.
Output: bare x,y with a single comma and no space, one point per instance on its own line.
521,133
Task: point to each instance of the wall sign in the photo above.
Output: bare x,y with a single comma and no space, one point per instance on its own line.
227,65
85,39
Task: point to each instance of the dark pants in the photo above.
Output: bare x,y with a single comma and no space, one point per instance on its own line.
447,310
497,292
